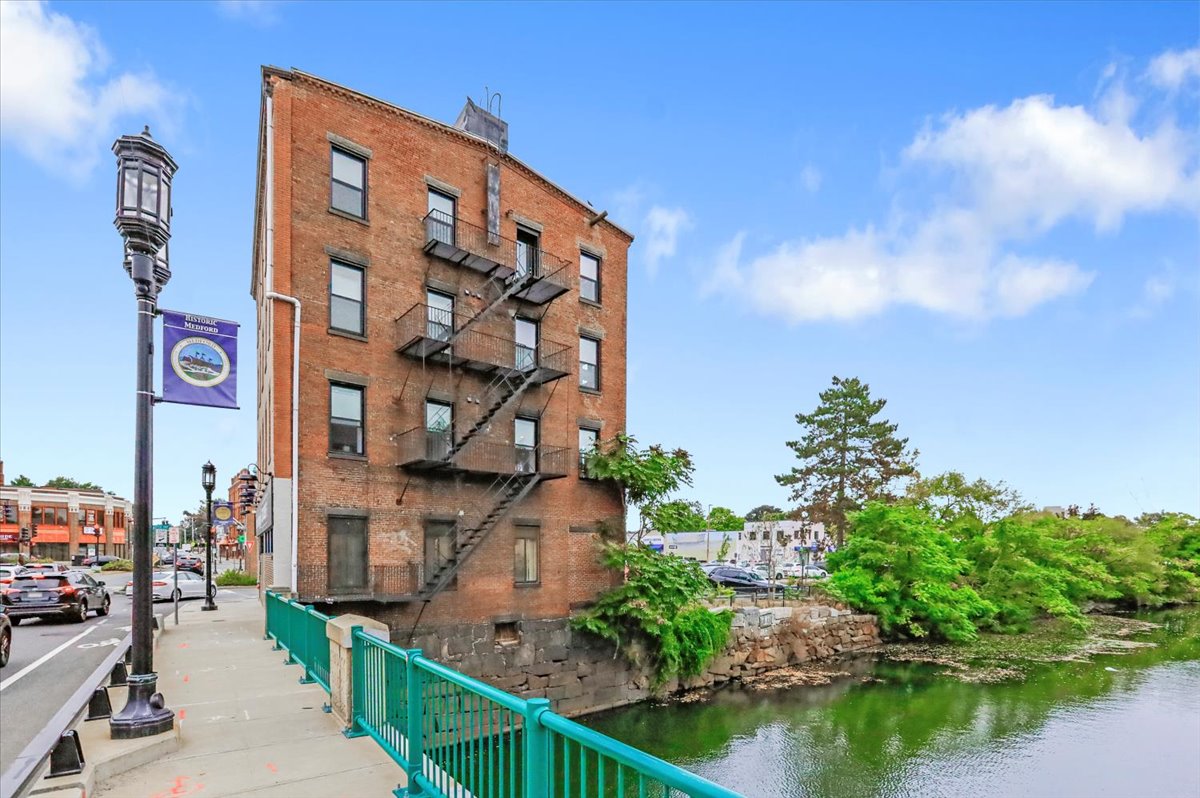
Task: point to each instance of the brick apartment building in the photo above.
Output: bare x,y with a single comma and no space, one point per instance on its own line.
244,525
461,337
69,522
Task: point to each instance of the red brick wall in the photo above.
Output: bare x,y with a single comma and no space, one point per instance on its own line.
405,150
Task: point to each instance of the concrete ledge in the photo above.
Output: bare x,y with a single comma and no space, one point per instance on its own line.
338,629
105,758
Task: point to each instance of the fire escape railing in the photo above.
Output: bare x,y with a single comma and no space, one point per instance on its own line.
425,449
516,270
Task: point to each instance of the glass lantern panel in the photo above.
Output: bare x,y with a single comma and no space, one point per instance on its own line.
165,211
150,192
129,191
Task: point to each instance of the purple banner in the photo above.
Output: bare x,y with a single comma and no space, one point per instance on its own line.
199,360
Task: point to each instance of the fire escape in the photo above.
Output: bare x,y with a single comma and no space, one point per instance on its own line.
513,271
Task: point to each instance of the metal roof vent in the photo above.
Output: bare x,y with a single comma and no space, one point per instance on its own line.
484,123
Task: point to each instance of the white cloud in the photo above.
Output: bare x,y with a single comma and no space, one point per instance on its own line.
55,105
261,12
1156,291
1174,68
1011,174
664,226
810,178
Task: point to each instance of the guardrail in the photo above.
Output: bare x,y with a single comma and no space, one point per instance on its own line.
58,741
456,736
300,630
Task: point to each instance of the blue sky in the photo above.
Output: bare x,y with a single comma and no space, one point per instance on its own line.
986,211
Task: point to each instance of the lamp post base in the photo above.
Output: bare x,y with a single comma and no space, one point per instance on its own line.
143,714
208,608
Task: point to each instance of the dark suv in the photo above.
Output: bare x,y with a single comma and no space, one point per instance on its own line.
72,595
741,580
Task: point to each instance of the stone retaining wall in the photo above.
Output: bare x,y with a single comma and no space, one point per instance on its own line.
580,674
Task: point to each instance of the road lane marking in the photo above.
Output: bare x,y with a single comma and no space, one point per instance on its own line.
4,685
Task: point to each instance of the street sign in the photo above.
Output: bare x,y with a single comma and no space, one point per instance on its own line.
160,535
241,538
173,535
222,513
163,525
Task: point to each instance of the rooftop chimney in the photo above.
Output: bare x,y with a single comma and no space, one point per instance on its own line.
484,124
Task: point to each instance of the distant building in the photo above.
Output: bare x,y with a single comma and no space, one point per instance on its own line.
782,541
699,546
69,521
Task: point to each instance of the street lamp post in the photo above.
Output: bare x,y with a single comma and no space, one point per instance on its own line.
143,218
209,480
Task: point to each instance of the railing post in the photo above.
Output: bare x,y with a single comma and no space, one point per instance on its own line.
307,649
536,775
357,682
414,679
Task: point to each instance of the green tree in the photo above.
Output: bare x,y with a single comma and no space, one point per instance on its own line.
723,519
949,497
764,512
646,476
67,483
900,566
676,516
22,481
848,456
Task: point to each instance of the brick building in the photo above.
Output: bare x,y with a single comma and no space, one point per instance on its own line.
69,522
244,525
461,332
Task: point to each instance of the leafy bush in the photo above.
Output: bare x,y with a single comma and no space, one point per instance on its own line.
236,578
117,565
900,566
1177,538
658,610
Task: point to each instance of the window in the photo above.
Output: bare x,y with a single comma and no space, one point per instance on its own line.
346,419
439,225
60,516
588,438
347,554
526,337
439,315
346,298
589,277
439,424
589,363
525,564
439,548
348,186
527,253
525,438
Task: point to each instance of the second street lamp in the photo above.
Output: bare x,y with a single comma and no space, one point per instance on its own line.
209,480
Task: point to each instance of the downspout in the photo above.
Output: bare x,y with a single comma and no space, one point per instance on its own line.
295,423
295,303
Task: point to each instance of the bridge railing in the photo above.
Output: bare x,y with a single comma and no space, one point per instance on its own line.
456,736
300,630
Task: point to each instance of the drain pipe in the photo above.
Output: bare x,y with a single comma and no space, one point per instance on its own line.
295,303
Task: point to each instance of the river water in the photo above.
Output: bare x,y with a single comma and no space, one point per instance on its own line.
1125,726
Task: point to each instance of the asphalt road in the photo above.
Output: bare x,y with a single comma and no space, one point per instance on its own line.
52,658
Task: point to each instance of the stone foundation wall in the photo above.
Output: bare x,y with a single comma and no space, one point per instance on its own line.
580,674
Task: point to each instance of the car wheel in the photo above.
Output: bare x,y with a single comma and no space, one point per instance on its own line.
104,607
83,611
212,591
176,595
16,621
779,575
5,647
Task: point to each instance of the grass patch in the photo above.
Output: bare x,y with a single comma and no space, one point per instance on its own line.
117,565
236,579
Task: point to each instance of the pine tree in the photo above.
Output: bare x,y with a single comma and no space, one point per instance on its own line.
848,457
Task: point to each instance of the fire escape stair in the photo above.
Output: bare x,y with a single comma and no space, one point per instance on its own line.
510,492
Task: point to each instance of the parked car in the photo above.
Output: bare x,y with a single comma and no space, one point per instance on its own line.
46,595
46,568
739,579
5,639
10,572
813,572
162,585
102,560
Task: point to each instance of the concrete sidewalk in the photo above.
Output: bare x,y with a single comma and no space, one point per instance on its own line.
247,727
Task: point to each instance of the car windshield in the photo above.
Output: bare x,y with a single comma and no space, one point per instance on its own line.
39,582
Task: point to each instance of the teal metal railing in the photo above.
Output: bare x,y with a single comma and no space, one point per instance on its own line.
456,736
300,630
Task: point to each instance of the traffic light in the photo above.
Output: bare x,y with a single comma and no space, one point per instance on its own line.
32,530
23,535
249,492
10,513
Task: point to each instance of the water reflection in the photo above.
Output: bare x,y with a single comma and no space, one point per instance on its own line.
1117,725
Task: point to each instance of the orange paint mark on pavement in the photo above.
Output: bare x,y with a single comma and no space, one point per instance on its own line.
272,768
183,645
182,714
186,678
180,787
